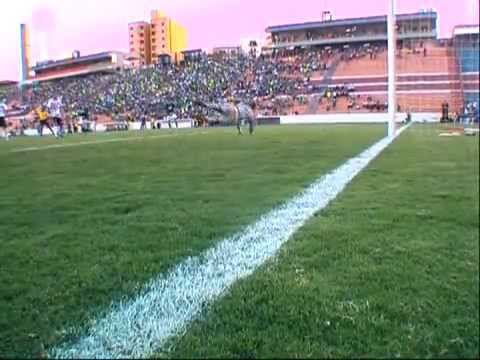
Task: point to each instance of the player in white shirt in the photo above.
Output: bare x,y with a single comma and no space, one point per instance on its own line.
3,120
172,118
55,109
94,123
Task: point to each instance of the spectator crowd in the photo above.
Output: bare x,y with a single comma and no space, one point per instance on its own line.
277,84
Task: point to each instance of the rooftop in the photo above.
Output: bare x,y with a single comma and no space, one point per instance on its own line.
192,51
8,82
139,23
352,21
79,60
466,30
226,48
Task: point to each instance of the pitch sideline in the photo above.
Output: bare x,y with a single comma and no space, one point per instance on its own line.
169,303
95,142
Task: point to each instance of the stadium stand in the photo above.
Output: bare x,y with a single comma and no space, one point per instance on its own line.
321,67
466,42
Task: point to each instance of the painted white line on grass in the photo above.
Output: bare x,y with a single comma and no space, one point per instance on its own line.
95,142
139,327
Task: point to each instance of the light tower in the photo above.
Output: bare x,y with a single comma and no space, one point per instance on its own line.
25,52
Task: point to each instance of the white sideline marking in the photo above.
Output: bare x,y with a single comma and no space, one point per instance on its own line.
95,142
139,327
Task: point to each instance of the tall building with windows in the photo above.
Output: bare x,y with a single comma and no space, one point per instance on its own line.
140,43
149,42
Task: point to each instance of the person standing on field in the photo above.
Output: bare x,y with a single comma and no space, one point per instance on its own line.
41,114
55,108
143,119
3,120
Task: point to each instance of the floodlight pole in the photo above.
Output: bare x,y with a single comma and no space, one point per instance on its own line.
392,43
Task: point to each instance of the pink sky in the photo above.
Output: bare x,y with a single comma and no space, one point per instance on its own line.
99,25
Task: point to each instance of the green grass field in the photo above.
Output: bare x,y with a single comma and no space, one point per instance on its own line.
86,225
390,268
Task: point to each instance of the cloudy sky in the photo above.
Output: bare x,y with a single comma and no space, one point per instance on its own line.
99,25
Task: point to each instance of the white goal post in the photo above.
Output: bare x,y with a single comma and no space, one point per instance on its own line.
392,43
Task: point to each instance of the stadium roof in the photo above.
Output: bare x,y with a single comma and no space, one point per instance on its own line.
219,48
466,30
8,82
191,51
108,68
352,21
141,22
79,60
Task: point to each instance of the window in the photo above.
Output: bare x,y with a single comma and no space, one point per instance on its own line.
163,46
142,34
131,28
132,50
154,48
153,40
142,42
153,33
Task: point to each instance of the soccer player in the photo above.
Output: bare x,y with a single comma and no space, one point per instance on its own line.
94,123
143,119
55,108
41,114
174,117
3,120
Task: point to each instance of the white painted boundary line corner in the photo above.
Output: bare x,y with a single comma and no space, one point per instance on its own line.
139,327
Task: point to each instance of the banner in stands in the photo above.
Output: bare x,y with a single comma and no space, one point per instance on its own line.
367,118
182,124
117,126
268,120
